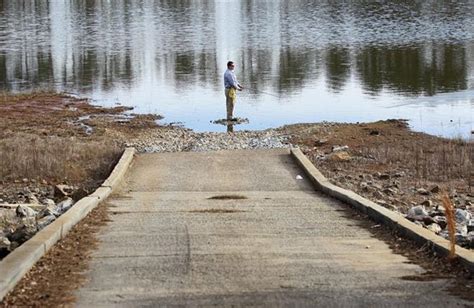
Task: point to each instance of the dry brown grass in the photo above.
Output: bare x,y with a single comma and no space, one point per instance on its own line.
433,160
56,158
451,220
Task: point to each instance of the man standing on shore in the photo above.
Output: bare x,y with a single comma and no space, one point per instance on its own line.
231,87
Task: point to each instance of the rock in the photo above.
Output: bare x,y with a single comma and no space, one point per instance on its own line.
78,194
65,205
4,246
460,229
441,209
368,177
399,174
461,239
23,233
48,202
25,211
462,216
422,191
340,148
363,186
48,211
390,191
444,234
32,199
470,225
377,186
339,156
441,221
466,240
435,189
428,220
384,176
378,195
434,228
395,184
470,240
417,213
4,242
43,222
61,191
427,203
320,142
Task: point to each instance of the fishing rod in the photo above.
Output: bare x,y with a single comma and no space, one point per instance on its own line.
263,92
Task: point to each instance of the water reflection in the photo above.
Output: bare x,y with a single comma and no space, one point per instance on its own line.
426,69
167,48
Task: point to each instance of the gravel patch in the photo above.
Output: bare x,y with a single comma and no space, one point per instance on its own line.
182,140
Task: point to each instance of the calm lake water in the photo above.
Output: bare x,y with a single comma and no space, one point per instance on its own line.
301,60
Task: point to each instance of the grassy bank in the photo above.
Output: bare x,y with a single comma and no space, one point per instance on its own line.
54,138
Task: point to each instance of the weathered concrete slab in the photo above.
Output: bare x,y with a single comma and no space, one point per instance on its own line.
169,244
216,171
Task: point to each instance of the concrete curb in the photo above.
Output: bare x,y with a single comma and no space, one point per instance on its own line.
19,262
381,214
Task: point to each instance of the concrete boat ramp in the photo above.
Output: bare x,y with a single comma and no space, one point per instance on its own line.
237,228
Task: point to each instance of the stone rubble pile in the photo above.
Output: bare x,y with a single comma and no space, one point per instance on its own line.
26,219
434,219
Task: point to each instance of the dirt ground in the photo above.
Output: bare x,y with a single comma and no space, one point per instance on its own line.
388,163
48,139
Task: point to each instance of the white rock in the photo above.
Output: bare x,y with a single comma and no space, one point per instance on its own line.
417,213
4,243
25,211
340,148
434,228
65,205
